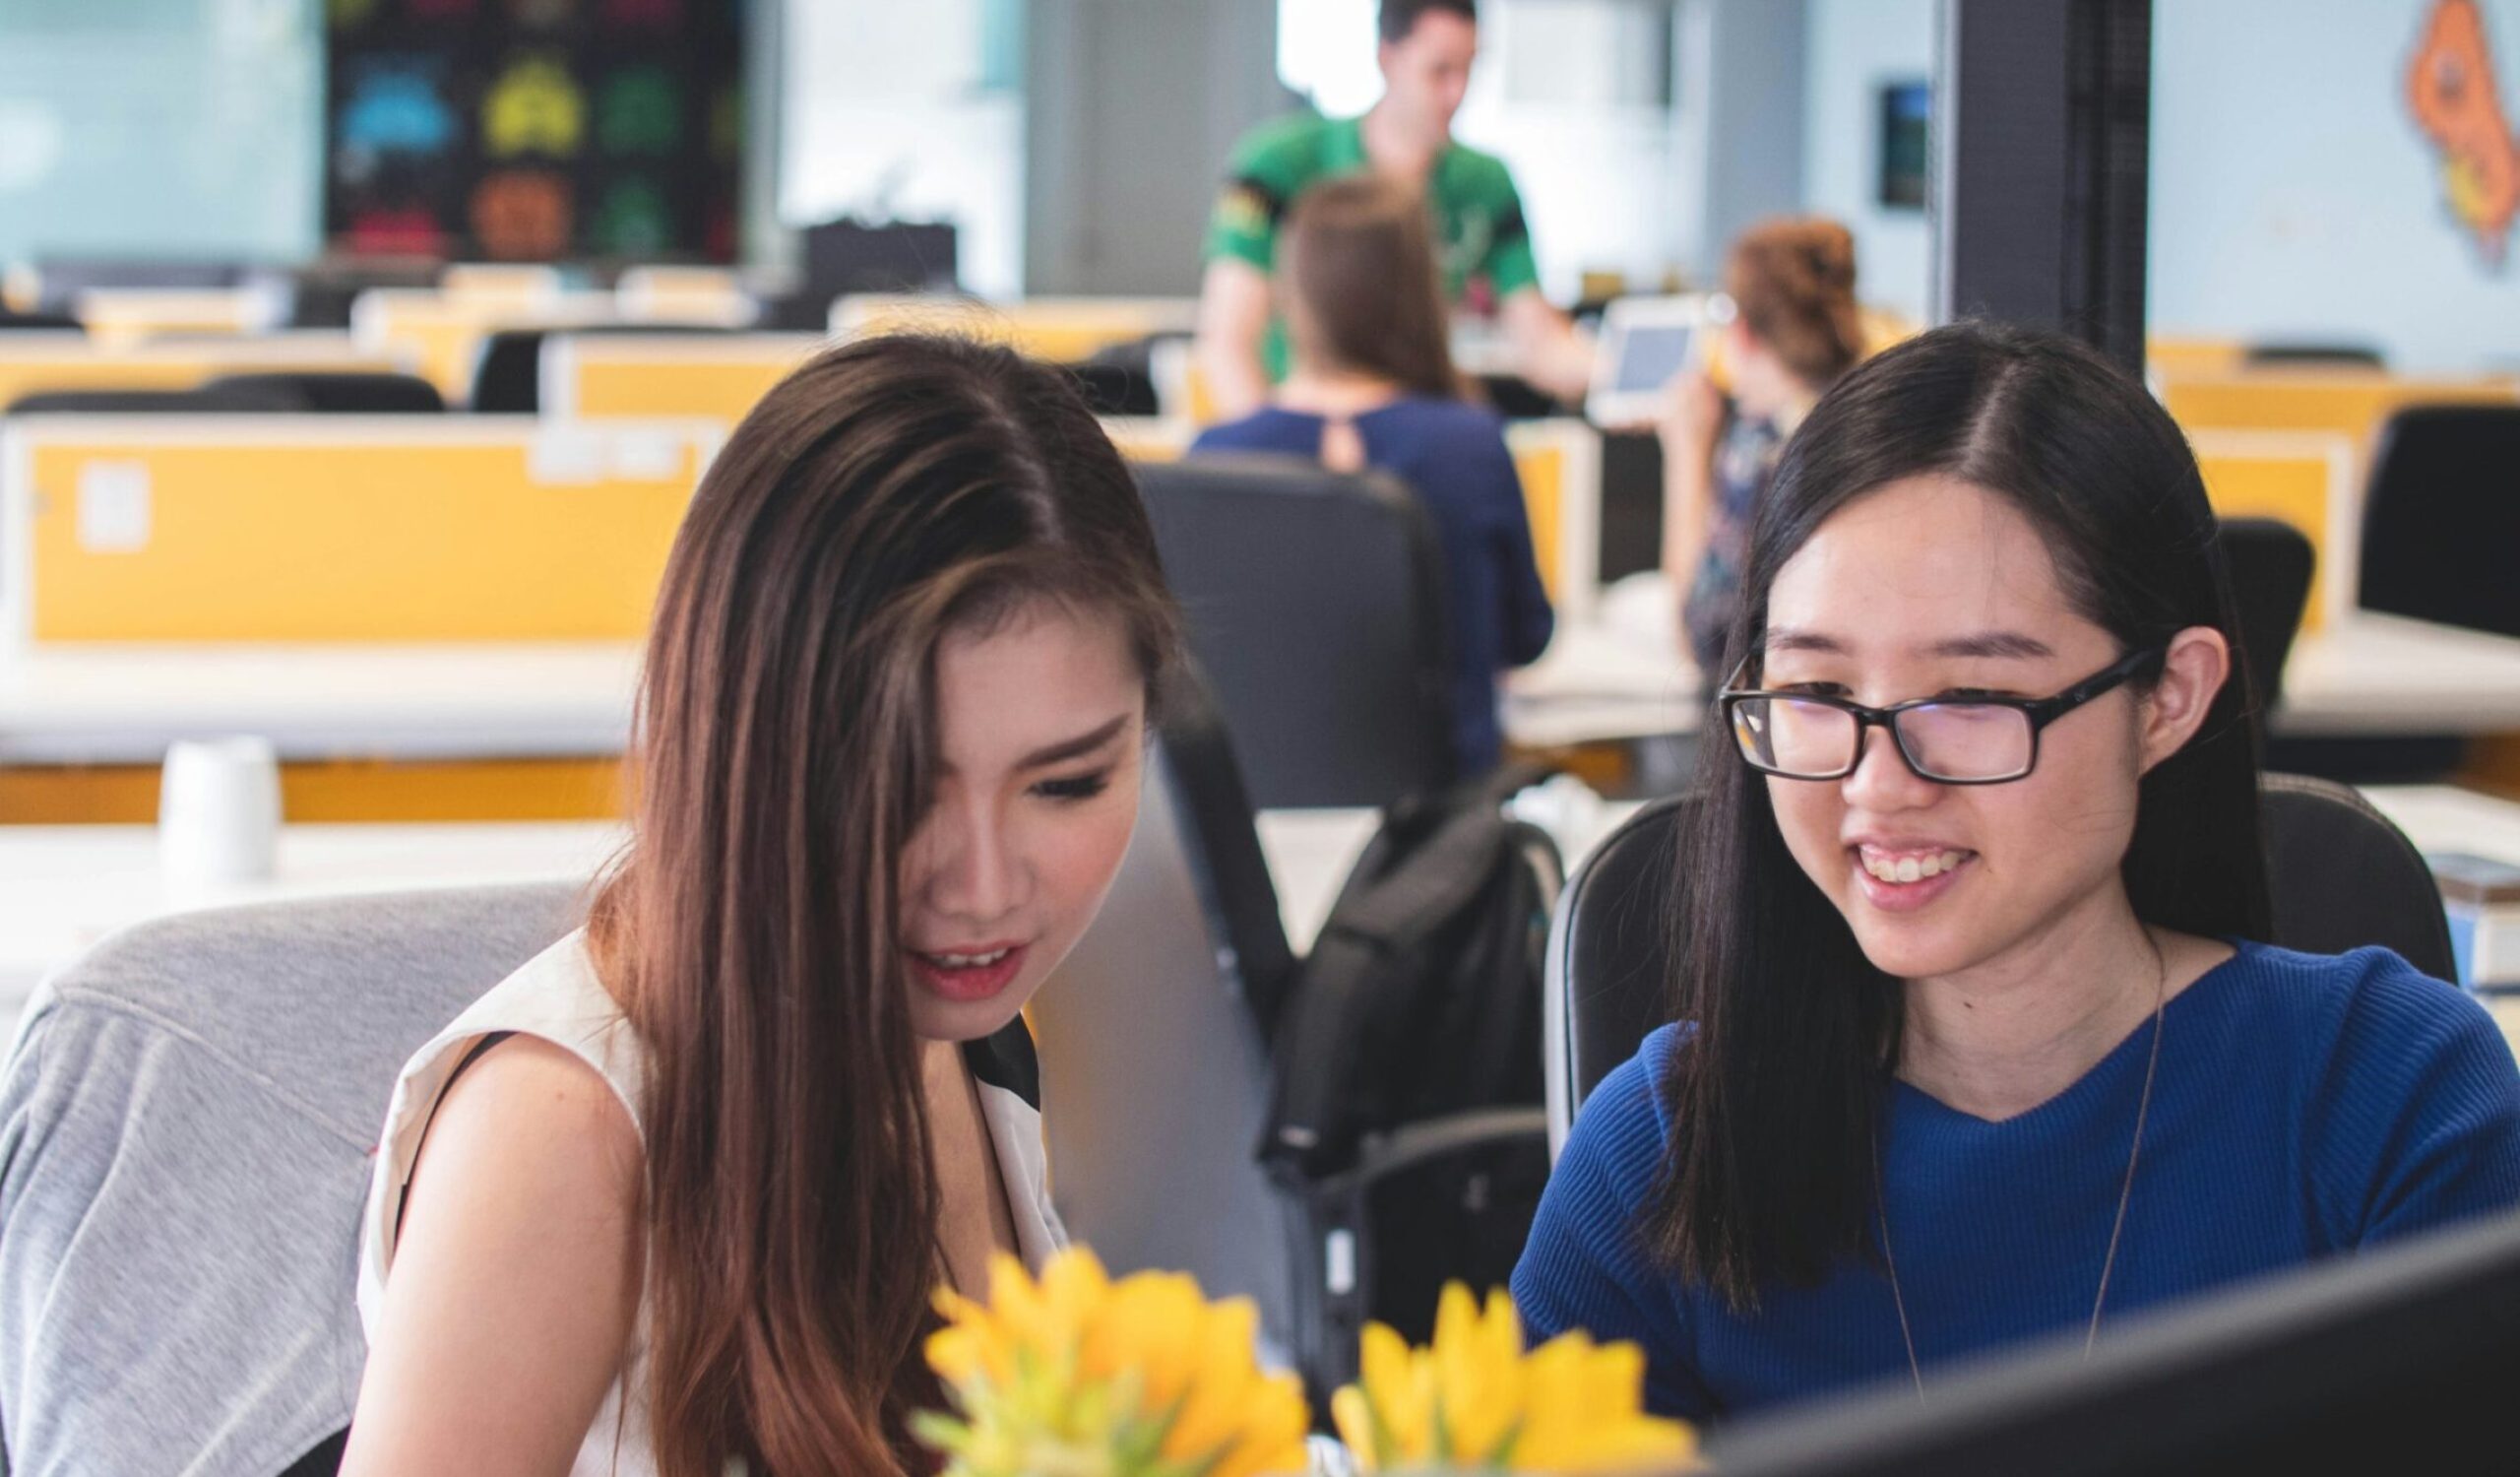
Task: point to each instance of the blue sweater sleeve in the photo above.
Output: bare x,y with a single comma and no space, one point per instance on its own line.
1586,1267
2417,1119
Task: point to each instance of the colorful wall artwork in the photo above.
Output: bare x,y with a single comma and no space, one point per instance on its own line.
2457,100
533,130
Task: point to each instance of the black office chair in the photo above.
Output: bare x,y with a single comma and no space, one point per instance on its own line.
2276,355
57,323
341,393
507,379
2343,877
203,401
2271,564
1315,604
2441,517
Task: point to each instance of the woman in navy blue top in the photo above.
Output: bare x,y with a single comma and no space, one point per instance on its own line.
1373,385
1972,1040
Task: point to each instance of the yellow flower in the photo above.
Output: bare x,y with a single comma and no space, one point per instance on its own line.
1078,1375
1476,1400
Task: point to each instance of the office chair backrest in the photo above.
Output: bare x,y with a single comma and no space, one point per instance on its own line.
2271,564
204,401
343,393
2306,355
1316,607
507,379
1153,1039
142,1078
57,323
2441,517
2343,877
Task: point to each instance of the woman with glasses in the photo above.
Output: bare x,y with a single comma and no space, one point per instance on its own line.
1977,1036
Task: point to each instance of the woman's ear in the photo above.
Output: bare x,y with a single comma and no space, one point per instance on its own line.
2198,663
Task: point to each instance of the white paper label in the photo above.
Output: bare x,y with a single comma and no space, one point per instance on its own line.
113,507
646,456
566,454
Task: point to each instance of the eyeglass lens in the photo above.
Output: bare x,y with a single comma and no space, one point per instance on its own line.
1945,741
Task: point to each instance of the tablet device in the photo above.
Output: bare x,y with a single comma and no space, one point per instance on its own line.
1645,341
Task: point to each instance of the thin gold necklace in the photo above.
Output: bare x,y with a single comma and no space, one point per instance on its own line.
2117,1227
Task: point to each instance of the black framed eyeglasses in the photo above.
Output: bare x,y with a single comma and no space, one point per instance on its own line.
1977,740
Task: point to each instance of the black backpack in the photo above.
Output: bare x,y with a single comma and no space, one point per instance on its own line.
1406,1120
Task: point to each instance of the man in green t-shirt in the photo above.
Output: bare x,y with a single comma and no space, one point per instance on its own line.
1428,47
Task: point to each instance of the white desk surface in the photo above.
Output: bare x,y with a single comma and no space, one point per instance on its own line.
64,887
1620,677
108,704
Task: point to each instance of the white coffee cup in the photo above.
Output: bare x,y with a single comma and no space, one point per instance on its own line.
218,810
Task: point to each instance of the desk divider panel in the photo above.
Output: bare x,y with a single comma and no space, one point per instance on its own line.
605,377
2351,403
1560,461
34,361
1061,330
2305,479
338,529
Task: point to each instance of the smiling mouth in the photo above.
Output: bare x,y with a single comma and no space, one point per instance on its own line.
977,975
1904,868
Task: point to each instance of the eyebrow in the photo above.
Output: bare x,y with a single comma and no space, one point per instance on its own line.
1998,645
1076,748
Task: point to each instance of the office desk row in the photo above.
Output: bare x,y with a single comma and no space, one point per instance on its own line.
64,887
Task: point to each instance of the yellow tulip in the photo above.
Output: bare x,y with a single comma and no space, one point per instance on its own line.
1474,1401
1079,1375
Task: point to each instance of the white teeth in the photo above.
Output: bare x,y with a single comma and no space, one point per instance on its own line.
969,961
1907,870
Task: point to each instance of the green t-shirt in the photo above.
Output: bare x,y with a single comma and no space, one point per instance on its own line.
1472,206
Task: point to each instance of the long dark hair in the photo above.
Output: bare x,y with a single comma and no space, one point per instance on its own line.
886,493
1358,261
1774,1102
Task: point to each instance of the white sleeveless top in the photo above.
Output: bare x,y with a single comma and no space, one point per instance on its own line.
557,997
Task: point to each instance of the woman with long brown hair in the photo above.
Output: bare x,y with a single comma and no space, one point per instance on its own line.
691,1176
1373,385
1796,328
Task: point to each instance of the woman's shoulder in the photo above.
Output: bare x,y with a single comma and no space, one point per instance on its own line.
1624,1125
557,997
2365,1023
1269,428
1433,415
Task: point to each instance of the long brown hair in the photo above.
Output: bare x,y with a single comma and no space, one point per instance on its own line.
1358,264
884,495
1793,279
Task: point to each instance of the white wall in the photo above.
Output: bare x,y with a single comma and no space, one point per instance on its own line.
2292,194
1851,49
893,108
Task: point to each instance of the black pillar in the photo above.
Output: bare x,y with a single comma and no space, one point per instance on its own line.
2041,132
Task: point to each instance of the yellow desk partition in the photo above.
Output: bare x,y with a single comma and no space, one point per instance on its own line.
1061,330
607,376
120,317
2349,401
2181,355
2307,478
1559,461
441,335
684,294
30,361
501,287
351,529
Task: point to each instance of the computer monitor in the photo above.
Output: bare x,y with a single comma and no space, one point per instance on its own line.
2397,1360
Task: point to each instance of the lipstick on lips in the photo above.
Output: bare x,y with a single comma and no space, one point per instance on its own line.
975,972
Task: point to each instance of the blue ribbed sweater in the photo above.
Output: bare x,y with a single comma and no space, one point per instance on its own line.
2305,1105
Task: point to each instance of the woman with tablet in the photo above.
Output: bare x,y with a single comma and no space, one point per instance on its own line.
675,1197
1373,385
1794,328
1976,1040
